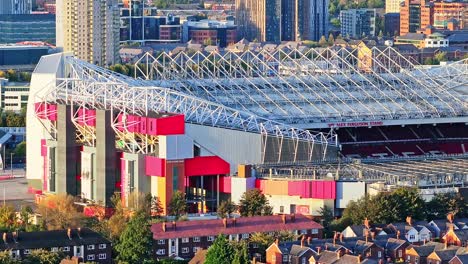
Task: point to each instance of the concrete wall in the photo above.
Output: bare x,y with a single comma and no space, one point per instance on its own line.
175,147
348,191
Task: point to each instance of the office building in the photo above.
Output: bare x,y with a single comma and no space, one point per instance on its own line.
31,27
392,6
209,32
275,20
445,12
15,7
89,29
415,15
14,96
358,22
392,24
23,57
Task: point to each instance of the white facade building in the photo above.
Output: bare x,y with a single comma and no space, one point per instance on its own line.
436,40
14,96
358,22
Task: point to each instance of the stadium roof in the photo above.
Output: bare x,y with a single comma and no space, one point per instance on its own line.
311,88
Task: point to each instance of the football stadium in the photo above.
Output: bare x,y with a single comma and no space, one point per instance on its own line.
306,126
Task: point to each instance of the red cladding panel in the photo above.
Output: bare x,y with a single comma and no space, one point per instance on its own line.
299,188
151,126
212,165
43,148
171,125
52,112
90,117
260,184
155,166
225,184
39,109
143,125
323,189
119,122
133,124
81,116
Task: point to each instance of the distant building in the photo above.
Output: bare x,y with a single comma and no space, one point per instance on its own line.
170,33
445,12
392,6
15,7
17,28
14,96
282,20
89,29
212,32
414,15
358,22
21,56
436,40
392,24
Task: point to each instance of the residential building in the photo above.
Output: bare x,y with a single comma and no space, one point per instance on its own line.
417,39
445,255
259,19
83,243
15,7
184,239
396,249
446,11
369,250
131,55
89,29
414,15
459,259
458,237
14,96
27,27
210,32
282,20
419,254
436,40
392,6
290,253
392,24
356,23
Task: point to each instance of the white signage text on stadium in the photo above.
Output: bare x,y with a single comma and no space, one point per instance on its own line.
356,124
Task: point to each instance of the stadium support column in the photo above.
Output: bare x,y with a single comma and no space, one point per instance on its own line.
106,157
66,152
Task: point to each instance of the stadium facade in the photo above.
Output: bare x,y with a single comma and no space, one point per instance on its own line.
192,118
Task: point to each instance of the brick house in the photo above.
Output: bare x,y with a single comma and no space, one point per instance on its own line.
419,254
458,237
445,255
396,249
83,243
460,259
289,253
184,239
368,250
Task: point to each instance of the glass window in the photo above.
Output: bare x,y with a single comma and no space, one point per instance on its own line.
161,252
54,249
161,242
185,240
102,256
211,238
91,257
245,236
90,247
27,251
315,231
102,246
66,249
185,250
196,239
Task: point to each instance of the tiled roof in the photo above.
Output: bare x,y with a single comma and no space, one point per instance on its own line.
49,239
447,254
425,250
393,243
348,259
297,250
328,257
463,258
244,225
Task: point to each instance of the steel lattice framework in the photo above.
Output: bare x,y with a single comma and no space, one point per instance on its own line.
304,86
91,87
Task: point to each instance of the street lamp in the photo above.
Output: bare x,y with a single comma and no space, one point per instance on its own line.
11,163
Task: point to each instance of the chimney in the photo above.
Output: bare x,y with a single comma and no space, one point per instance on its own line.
225,222
164,226
338,254
359,258
308,240
334,237
277,241
69,234
398,234
408,220
254,260
283,219
366,222
5,238
234,221
318,250
293,218
367,238
341,237
445,244
450,217
424,242
326,247
78,230
174,225
302,241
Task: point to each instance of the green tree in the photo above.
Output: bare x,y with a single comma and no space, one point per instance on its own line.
135,243
5,258
20,150
177,205
335,22
440,56
156,207
41,256
326,214
220,252
444,203
118,220
8,220
12,75
323,42
25,76
253,202
241,255
331,39
59,212
226,208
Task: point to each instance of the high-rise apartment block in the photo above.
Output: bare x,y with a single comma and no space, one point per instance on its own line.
358,22
447,12
392,6
277,20
89,29
15,7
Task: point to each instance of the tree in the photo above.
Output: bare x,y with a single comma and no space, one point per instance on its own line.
59,212
323,42
8,220
41,256
220,252
226,208
117,220
326,214
5,258
440,56
20,150
177,205
335,22
135,243
253,202
241,255
157,209
331,39
444,203
12,75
